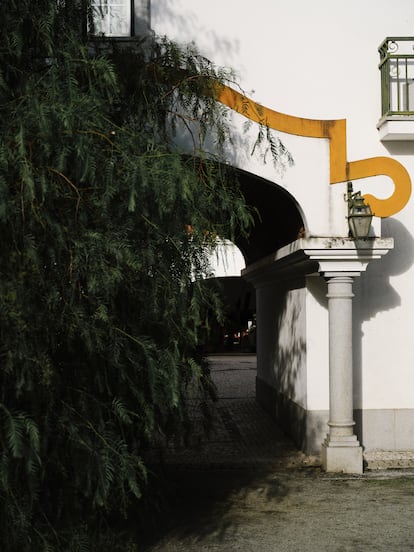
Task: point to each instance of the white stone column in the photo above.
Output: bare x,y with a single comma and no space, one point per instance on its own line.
341,451
339,260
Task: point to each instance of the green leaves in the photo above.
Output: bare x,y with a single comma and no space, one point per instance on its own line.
20,441
106,232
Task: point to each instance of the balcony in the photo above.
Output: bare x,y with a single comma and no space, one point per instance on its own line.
397,89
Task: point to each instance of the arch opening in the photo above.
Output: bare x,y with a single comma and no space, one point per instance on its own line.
277,222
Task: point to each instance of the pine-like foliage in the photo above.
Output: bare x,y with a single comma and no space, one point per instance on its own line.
104,226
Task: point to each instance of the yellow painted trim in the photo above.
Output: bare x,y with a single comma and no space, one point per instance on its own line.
389,167
335,131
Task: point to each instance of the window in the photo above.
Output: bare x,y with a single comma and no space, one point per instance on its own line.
112,17
120,18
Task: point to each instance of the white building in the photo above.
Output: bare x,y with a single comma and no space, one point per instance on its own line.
314,67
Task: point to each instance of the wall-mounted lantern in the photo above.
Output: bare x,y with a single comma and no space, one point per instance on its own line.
359,214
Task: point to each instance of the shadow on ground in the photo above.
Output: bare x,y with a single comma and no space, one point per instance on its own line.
201,501
287,511
235,465
249,489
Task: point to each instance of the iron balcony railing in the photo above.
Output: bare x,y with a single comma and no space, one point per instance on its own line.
397,76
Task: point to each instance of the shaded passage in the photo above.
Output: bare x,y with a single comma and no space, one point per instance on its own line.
242,433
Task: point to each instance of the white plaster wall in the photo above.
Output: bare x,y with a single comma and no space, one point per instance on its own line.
227,260
290,361
317,344
281,345
318,59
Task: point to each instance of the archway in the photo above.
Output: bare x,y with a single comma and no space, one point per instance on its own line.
243,418
278,221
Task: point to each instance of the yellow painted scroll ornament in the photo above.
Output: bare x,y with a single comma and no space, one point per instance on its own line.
335,130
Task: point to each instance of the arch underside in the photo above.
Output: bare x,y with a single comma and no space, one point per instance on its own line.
277,218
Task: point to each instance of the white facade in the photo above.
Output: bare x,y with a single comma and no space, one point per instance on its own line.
319,60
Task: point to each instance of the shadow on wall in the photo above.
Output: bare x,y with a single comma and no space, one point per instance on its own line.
373,291
290,348
167,17
282,378
375,294
377,277
190,25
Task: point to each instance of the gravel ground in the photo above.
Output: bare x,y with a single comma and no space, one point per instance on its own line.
291,510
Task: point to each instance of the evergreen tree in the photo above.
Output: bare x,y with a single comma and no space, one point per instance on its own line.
105,233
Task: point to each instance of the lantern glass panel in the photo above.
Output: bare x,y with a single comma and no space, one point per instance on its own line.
360,225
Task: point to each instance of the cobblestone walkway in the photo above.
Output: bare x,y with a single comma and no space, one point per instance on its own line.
243,435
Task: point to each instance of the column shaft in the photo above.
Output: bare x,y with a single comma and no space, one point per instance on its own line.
341,451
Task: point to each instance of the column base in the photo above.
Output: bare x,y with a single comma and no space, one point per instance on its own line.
342,456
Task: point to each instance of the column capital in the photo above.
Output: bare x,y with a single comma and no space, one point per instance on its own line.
345,256
328,256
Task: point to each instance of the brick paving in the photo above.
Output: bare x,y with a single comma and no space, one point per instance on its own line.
242,434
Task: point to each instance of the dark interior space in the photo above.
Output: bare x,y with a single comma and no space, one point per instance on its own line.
238,331
277,222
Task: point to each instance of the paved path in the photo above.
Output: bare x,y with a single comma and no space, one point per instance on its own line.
242,435
248,489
